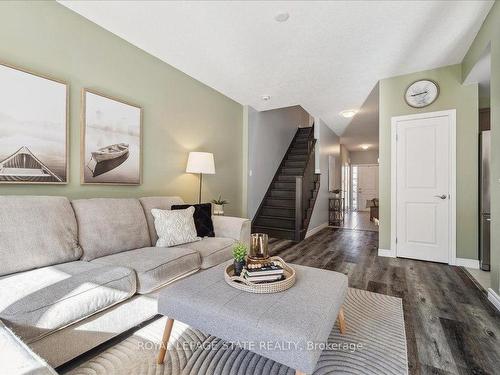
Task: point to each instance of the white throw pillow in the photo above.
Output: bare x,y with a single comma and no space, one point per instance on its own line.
174,227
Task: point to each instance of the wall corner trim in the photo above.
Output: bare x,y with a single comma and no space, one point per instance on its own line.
467,263
386,253
494,298
315,230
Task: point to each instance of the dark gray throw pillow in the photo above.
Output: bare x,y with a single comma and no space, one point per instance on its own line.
202,218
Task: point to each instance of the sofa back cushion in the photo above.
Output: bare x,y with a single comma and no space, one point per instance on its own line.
36,232
108,226
161,203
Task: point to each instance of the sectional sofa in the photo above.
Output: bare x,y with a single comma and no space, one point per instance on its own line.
75,274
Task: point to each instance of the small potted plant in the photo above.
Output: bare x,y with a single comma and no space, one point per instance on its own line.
219,205
239,255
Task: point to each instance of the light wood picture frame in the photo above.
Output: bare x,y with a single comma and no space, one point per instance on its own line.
34,126
111,140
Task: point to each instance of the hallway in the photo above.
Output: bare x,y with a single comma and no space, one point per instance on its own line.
358,220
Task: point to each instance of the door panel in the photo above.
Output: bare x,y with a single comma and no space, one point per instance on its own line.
420,223
423,180
420,143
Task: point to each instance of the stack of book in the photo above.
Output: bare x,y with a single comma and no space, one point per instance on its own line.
265,274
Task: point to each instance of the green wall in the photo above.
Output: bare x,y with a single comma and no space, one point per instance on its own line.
484,102
452,96
180,113
490,32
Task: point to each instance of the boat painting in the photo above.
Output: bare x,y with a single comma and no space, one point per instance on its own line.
23,166
33,128
111,140
108,158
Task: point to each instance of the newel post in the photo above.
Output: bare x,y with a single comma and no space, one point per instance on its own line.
298,207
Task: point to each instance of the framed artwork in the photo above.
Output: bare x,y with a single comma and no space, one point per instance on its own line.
111,140
33,128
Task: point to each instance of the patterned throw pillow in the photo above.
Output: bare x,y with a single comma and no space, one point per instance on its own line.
174,227
202,218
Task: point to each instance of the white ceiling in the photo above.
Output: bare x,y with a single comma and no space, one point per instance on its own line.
363,129
326,57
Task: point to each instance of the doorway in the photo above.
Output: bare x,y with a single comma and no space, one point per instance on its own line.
423,202
480,74
364,186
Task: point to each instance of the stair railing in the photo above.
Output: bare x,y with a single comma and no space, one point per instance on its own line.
304,185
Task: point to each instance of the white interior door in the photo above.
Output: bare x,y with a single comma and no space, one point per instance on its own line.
367,187
423,186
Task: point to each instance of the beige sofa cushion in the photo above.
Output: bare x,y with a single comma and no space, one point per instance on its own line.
36,303
108,226
213,250
162,203
155,266
36,232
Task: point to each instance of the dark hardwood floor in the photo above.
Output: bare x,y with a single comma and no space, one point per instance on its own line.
451,328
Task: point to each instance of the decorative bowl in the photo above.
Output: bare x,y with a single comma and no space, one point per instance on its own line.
243,284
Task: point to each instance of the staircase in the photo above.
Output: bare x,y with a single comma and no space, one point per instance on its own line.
287,206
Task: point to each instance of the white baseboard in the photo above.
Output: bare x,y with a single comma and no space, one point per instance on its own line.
467,263
310,232
494,298
386,253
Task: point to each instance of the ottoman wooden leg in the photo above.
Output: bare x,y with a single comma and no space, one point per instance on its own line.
341,320
164,340
298,372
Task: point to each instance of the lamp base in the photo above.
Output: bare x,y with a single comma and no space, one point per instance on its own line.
201,181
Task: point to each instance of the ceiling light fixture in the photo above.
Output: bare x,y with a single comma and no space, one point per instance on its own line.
266,97
365,147
348,113
282,17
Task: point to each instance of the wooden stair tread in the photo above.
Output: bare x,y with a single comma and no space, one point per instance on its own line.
274,228
276,217
278,207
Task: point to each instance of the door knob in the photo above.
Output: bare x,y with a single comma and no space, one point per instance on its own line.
442,196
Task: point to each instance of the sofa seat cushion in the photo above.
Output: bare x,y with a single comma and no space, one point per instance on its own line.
213,250
36,303
36,232
107,226
155,266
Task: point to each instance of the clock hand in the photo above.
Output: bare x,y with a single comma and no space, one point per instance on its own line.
420,93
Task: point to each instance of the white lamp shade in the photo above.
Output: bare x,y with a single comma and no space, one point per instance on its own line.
201,162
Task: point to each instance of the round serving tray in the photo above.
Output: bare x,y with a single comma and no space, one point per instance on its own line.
274,287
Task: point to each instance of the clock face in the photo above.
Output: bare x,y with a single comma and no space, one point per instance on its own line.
421,93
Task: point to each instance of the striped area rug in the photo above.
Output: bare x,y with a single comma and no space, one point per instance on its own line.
375,343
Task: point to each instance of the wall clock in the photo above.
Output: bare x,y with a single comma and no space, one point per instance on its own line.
421,93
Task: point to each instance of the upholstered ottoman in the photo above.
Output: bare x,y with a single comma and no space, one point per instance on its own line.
288,327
